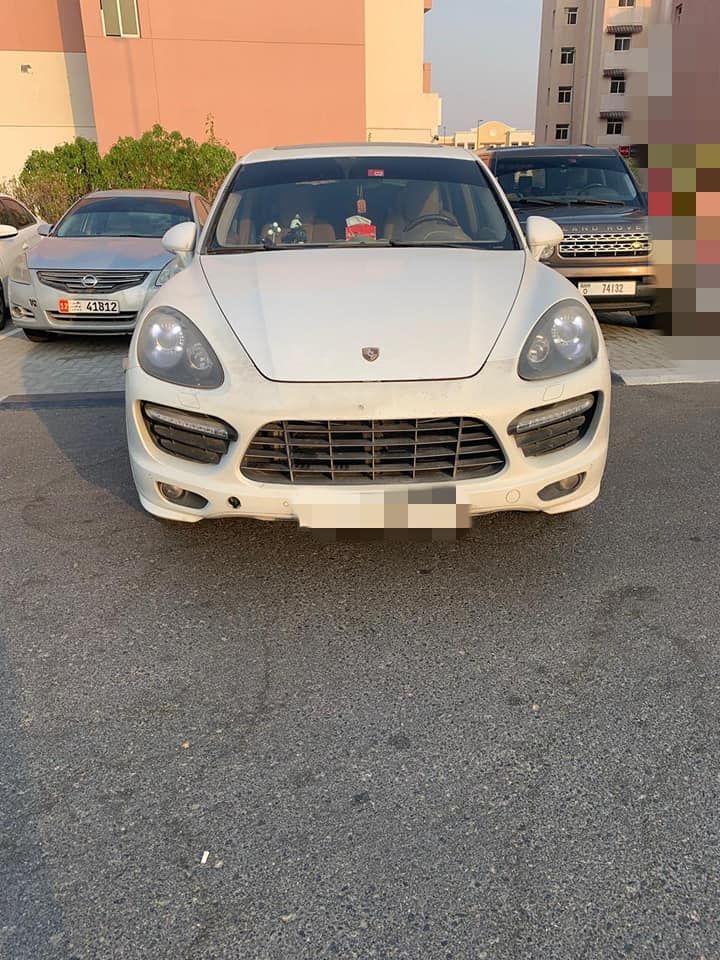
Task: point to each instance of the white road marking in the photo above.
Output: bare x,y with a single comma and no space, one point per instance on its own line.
10,333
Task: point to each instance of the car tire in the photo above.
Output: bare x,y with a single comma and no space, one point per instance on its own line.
39,336
3,308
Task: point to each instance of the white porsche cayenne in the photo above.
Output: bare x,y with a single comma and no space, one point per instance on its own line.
365,338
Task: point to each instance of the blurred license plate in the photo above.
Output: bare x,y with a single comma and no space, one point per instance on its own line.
88,306
622,288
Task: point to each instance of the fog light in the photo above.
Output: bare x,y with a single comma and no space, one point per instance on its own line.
183,498
562,487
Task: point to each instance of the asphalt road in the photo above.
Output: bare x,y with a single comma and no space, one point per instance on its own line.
504,747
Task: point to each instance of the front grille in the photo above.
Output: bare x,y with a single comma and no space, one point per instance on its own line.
123,317
373,451
587,246
548,429
108,281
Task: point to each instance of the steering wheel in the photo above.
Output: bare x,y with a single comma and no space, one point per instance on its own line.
425,218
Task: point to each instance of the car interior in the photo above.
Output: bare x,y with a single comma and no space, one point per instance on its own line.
323,212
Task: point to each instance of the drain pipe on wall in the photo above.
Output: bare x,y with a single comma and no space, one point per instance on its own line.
588,78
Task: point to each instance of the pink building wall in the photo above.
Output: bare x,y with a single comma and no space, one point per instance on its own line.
268,71
53,26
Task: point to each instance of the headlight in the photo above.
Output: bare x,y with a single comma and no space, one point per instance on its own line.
19,272
563,340
169,270
171,348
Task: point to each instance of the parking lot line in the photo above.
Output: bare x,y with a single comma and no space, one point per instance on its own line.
10,333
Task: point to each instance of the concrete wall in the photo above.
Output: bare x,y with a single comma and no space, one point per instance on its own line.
398,108
268,72
44,80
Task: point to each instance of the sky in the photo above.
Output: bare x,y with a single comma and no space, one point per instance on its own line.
485,60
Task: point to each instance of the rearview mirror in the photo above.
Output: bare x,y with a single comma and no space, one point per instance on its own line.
7,231
45,229
543,235
180,239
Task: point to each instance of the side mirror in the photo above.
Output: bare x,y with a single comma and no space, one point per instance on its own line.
543,235
180,239
45,229
7,231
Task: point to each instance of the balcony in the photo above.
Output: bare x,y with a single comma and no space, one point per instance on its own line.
634,60
611,102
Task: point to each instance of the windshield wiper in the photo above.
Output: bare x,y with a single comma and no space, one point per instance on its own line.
452,244
534,202
266,245
575,202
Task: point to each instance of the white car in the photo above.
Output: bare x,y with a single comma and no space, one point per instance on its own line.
18,232
366,339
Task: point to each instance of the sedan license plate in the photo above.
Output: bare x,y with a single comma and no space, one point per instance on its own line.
88,306
619,288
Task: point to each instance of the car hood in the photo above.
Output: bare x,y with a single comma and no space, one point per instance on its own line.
98,253
592,219
307,315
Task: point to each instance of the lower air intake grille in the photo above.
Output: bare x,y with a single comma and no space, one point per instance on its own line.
191,436
373,451
547,429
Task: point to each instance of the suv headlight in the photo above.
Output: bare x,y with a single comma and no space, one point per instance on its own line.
169,270
19,272
171,348
563,340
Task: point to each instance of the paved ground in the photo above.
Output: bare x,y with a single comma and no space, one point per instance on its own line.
503,748
73,364
65,365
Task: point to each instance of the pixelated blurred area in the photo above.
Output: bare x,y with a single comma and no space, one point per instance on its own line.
681,166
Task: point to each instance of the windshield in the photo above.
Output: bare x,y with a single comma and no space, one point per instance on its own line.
566,179
124,217
354,201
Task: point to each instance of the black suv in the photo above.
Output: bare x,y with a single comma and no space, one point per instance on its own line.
592,194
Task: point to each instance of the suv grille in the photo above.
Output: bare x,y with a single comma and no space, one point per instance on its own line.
589,245
367,451
108,281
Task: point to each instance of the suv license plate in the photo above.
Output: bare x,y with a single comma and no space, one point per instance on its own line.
88,306
620,288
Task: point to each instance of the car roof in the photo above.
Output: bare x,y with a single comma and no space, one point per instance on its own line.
360,149
553,151
159,194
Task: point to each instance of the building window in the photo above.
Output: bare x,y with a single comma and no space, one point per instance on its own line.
622,43
567,54
564,94
120,18
617,86
571,15
626,3
614,128
562,131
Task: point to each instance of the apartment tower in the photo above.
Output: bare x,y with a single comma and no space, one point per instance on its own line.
593,74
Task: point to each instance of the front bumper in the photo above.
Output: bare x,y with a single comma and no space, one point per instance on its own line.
34,306
642,303
495,395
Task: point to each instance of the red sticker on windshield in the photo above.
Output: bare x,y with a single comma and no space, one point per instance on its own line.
376,173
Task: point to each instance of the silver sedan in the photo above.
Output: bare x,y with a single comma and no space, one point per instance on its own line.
100,263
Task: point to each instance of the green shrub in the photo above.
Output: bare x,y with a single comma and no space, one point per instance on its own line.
52,180
167,161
